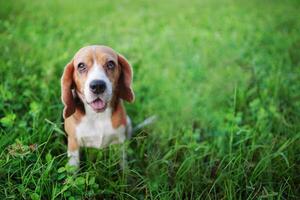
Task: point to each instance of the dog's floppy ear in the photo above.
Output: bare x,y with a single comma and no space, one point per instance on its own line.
125,91
66,90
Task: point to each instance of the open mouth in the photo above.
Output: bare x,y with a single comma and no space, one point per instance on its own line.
98,105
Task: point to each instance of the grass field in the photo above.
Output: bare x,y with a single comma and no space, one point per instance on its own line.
223,77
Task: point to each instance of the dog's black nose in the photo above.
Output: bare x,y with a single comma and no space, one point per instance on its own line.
97,86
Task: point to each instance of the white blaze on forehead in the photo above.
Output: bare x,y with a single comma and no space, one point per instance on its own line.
97,73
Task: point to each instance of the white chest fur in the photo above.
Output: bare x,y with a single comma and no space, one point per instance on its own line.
96,130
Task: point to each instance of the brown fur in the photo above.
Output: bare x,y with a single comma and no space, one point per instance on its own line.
118,117
66,92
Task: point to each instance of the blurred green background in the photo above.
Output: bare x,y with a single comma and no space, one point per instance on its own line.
223,78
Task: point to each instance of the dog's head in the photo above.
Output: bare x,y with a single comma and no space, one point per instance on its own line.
97,74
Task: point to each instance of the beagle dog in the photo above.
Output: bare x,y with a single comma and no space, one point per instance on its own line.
93,86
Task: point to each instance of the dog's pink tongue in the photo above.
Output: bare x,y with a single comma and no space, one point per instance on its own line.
98,104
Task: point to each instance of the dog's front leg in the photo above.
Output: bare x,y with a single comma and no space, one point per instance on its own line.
123,160
73,152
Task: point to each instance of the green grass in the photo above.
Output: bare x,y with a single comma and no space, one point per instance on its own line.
223,77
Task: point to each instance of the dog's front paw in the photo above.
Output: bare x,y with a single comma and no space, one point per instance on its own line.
73,158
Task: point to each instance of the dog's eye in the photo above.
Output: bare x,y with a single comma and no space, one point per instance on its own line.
81,67
110,64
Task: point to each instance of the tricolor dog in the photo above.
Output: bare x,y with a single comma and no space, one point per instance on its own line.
93,85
